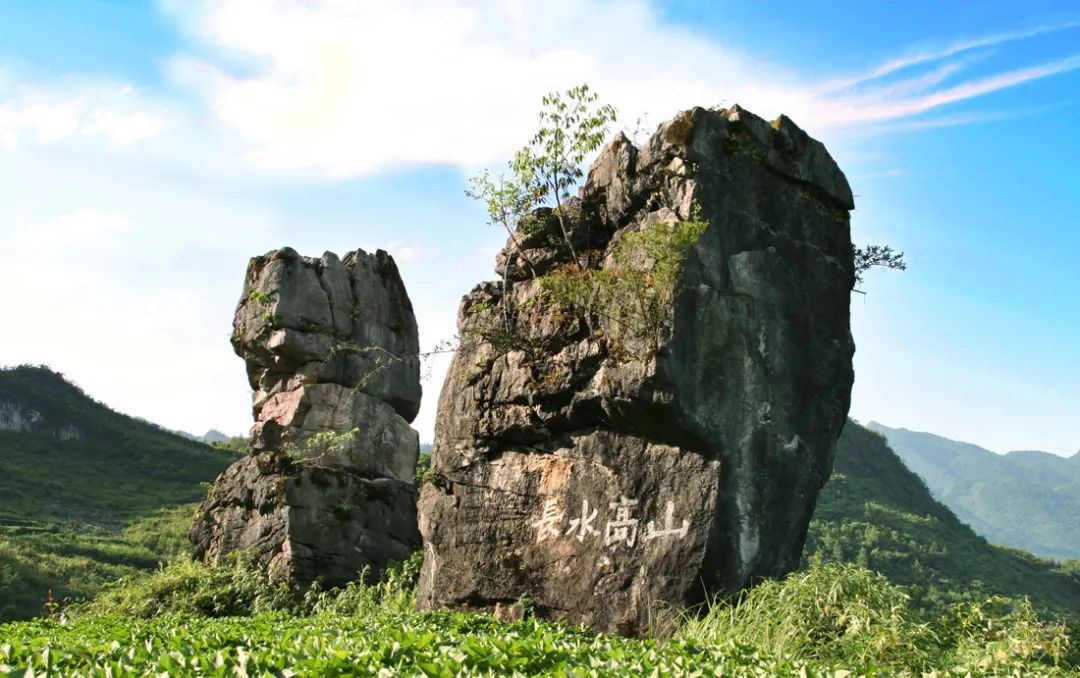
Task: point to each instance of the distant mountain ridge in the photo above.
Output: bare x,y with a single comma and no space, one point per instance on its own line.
1025,499
210,437
876,512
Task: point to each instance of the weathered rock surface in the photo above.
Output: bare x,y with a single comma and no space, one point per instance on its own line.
307,522
331,348
304,321
15,417
607,484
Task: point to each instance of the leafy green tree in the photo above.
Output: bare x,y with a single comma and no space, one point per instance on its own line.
572,125
548,169
508,201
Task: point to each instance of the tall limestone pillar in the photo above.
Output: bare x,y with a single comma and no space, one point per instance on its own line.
331,349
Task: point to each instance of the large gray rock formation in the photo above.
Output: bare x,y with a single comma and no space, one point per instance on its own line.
608,483
331,352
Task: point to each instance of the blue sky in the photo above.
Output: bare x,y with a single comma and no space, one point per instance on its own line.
148,149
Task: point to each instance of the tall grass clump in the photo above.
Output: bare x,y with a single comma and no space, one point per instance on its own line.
235,586
845,615
394,593
1005,636
835,613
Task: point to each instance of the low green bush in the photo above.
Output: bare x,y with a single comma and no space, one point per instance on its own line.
394,593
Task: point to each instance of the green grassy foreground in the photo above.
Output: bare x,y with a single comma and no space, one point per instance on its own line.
431,645
831,620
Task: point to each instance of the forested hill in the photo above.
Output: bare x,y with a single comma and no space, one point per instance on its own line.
1025,499
876,512
65,457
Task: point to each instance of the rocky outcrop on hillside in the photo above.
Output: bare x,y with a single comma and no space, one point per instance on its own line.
610,477
331,349
20,419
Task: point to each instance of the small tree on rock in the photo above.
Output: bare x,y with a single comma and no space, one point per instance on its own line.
548,169
572,125
872,256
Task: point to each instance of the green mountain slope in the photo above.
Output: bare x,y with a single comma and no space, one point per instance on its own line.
876,512
87,495
44,561
1025,499
65,457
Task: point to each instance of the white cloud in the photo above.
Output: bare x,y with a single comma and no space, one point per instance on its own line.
122,128
50,114
402,251
350,89
960,119
70,229
865,109
53,122
354,89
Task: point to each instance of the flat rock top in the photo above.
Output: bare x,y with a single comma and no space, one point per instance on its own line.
346,321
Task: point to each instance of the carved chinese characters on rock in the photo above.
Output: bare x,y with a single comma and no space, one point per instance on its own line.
583,526
548,525
619,527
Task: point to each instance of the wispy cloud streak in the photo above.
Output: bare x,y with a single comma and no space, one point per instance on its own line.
864,109
930,56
